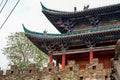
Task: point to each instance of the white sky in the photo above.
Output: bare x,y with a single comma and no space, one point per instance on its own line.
28,12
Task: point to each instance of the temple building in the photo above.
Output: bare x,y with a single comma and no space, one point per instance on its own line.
87,37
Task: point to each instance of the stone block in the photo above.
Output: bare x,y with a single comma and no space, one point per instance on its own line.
32,66
14,67
45,69
8,72
76,67
90,66
71,62
50,65
100,66
95,61
1,72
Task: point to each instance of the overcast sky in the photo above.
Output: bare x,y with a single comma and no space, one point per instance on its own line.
28,12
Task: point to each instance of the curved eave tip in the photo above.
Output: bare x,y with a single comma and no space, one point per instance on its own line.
23,26
43,7
25,29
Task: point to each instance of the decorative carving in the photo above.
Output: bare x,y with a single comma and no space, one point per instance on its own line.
86,7
68,25
94,20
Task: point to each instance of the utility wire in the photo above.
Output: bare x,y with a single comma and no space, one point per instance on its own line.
3,6
10,14
1,3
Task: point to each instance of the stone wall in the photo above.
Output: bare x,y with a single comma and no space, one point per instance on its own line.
115,63
94,71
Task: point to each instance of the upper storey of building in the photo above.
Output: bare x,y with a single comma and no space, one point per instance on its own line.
82,20
99,27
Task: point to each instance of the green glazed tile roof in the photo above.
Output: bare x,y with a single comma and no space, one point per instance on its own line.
104,8
81,32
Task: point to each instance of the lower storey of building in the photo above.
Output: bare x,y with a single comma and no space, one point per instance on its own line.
82,59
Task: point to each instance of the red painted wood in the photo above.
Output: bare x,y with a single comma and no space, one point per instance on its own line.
90,57
51,58
63,61
84,58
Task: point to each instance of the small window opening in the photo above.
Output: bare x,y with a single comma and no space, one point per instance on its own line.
94,67
11,72
81,78
58,78
71,68
50,70
30,71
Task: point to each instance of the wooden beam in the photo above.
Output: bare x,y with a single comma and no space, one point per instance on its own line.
84,50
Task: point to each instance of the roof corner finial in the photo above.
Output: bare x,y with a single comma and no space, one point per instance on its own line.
86,7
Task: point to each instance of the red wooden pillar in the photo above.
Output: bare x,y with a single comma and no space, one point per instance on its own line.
50,58
90,56
63,61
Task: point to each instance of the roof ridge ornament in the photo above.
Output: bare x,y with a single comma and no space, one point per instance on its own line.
75,9
45,32
86,7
